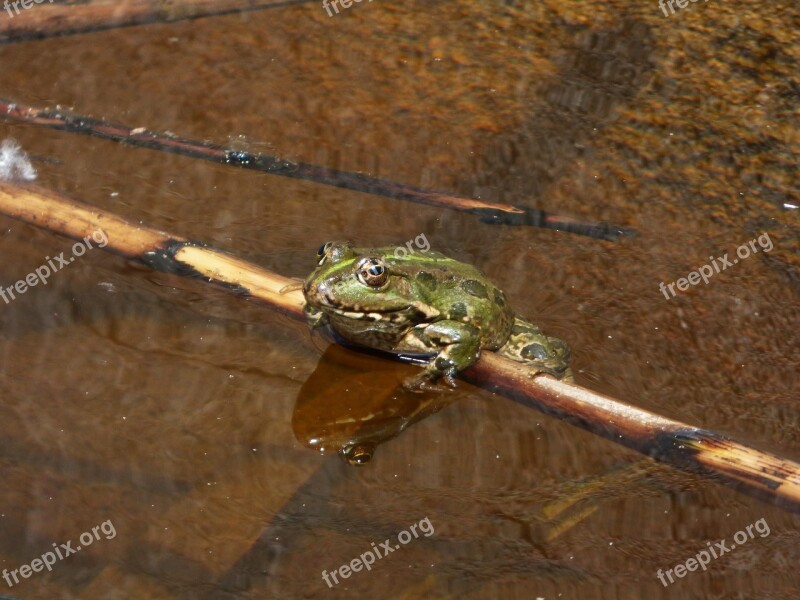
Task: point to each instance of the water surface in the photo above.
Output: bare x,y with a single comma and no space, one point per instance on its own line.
167,407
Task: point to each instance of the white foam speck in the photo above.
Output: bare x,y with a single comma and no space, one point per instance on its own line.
14,163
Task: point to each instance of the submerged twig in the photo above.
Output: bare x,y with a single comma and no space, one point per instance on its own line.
52,19
750,470
489,212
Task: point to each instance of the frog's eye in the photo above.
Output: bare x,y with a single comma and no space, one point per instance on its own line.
372,272
322,251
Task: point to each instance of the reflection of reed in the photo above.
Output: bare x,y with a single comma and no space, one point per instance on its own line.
59,18
491,212
601,73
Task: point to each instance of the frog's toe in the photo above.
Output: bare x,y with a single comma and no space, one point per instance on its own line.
559,371
297,284
450,381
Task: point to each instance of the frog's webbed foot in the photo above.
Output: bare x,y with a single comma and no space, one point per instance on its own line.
559,373
567,376
540,352
557,367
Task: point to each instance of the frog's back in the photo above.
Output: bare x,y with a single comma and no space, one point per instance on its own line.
461,292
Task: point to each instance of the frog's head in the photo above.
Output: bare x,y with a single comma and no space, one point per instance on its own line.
358,283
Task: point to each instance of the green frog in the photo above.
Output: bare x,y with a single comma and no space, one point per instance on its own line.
423,303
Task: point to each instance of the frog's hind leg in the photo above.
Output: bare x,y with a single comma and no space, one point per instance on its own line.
528,344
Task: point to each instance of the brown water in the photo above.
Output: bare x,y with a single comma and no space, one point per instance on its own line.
167,408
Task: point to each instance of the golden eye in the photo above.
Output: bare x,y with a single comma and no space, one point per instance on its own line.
372,272
322,251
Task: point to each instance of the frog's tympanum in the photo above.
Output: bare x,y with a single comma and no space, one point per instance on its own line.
423,303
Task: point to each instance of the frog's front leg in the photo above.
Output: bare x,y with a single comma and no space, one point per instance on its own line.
458,346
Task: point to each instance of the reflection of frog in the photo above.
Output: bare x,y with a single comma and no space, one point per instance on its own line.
423,303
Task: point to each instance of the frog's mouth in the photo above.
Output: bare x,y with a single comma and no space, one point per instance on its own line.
327,302
394,309
411,311
372,315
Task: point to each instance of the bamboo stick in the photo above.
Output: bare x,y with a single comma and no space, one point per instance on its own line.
159,250
488,212
758,473
50,19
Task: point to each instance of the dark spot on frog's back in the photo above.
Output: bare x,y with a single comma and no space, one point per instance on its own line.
426,279
457,312
500,298
534,352
475,288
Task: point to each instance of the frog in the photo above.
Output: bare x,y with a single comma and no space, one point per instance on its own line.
424,304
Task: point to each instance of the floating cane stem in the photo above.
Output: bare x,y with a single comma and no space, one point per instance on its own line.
51,19
489,212
159,250
755,472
